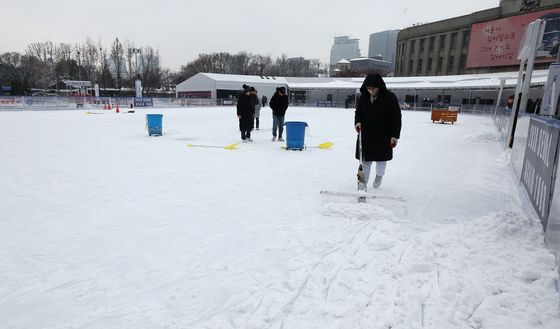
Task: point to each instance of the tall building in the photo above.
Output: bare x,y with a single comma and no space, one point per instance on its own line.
485,41
344,47
383,46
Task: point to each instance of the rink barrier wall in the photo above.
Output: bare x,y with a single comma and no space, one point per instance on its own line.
534,159
48,103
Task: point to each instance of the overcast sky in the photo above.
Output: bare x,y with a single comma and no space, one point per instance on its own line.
183,29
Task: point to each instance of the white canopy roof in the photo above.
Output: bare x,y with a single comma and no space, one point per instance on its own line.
247,79
77,84
467,81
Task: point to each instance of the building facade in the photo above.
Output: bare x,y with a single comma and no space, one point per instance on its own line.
482,42
344,47
383,46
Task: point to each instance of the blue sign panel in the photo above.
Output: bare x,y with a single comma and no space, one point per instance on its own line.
539,165
143,102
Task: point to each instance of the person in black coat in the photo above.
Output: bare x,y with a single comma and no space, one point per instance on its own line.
378,119
279,105
264,101
245,113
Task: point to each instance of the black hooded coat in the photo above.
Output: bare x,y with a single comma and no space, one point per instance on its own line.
279,104
246,110
380,120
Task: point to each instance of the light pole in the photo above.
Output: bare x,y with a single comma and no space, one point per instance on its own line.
51,67
66,58
79,71
101,62
137,82
136,51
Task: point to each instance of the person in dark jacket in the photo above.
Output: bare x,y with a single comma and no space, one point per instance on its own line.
245,112
264,101
279,105
378,119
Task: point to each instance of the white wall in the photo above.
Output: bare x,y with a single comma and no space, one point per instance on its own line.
199,82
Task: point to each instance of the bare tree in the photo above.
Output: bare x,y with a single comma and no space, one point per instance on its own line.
131,53
282,63
221,62
41,51
90,60
151,69
167,79
21,71
106,77
118,61
240,62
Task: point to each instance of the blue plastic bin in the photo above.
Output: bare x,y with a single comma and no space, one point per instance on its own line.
295,135
153,121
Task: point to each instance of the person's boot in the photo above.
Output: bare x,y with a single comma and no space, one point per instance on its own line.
377,181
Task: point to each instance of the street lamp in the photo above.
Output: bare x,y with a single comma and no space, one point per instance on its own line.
101,64
136,51
67,57
137,82
79,71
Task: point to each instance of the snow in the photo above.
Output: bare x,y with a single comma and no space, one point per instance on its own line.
103,226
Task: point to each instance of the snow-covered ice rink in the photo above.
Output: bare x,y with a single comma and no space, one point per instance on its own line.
102,226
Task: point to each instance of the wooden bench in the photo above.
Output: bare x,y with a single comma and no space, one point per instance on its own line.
444,116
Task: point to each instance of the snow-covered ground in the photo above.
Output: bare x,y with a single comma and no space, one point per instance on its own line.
102,226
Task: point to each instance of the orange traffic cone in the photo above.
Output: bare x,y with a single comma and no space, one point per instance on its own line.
104,106
117,108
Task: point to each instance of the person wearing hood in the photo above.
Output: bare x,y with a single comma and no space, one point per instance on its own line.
245,113
279,105
378,119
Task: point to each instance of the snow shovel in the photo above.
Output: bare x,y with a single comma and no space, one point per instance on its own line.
362,185
228,147
323,146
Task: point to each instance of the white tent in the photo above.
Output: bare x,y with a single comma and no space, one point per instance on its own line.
209,84
315,90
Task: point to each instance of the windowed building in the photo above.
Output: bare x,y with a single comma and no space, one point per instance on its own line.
486,41
383,46
344,47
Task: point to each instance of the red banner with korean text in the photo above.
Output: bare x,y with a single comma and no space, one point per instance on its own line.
497,43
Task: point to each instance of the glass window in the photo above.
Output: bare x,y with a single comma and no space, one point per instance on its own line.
442,42
466,38
454,40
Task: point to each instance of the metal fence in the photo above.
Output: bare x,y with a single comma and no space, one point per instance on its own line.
58,102
90,102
